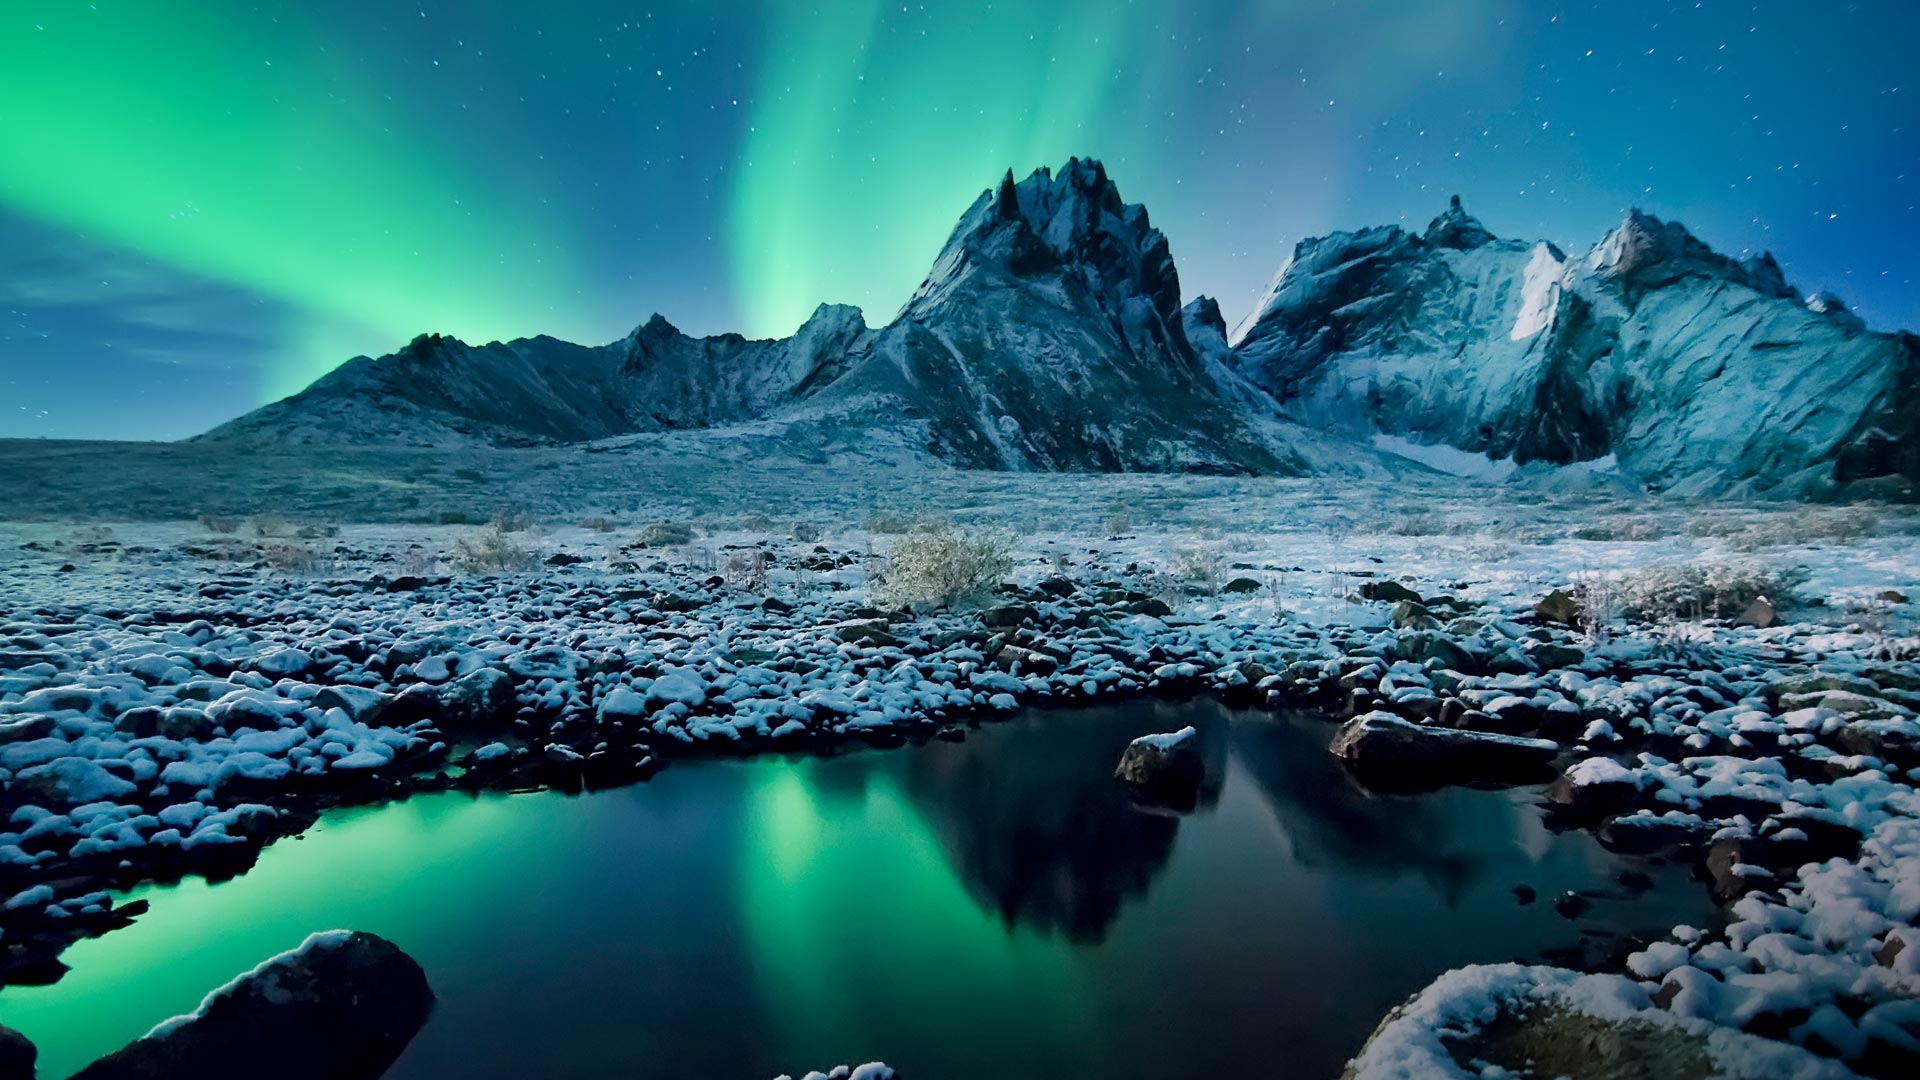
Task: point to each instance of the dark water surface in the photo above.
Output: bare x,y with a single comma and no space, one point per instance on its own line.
990,907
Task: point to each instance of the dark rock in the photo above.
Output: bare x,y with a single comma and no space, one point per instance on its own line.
1008,615
562,558
24,728
1057,587
1571,905
1391,592
1383,747
342,1006
1241,585
1525,894
1551,657
1165,768
1594,789
1412,615
1759,613
1150,606
478,701
776,606
1730,864
1558,607
17,1054
360,703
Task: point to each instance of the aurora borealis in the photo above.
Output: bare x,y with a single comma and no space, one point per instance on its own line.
206,205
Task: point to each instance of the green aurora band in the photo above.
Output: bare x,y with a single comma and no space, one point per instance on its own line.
283,173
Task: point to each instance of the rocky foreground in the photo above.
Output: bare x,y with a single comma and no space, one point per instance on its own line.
178,723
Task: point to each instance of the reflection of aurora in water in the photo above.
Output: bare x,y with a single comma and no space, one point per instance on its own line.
841,892
743,918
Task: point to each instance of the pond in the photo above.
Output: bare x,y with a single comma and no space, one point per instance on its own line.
995,906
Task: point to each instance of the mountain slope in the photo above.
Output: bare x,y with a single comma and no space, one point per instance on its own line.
537,390
1048,336
1696,371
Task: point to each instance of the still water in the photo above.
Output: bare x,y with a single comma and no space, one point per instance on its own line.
990,907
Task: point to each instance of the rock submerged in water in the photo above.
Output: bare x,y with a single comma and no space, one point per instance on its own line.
342,1006
1383,747
17,1054
1165,768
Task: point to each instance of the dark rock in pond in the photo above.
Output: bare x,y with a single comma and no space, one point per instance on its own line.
1008,615
480,700
1642,834
1558,607
1525,894
1164,768
1571,905
1382,747
1241,585
17,1054
1391,592
1594,789
1736,867
342,1006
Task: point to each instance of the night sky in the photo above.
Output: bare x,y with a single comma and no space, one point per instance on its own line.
204,206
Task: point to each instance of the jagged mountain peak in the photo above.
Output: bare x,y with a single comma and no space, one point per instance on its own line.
1643,253
1455,228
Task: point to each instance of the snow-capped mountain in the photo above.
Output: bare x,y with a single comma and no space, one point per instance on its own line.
1049,335
1694,371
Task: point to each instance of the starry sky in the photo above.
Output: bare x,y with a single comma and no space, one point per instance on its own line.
206,205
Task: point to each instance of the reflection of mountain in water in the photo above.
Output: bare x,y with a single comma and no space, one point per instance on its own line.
1035,824
1332,822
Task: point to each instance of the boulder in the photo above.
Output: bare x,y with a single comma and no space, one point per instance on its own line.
1759,613
1595,788
478,701
1412,615
1519,1020
1558,607
1165,768
360,703
17,1054
1388,592
1009,615
1382,747
342,1006
1241,585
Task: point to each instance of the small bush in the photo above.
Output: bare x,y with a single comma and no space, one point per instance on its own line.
454,517
1701,590
493,551
1199,567
1638,529
1119,522
942,567
756,523
220,523
667,534
805,532
511,519
893,522
290,557
271,525
597,524
748,570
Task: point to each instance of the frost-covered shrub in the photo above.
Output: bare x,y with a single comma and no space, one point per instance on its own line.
1701,590
510,519
271,525
806,532
220,523
597,523
493,551
667,534
756,523
940,566
1119,521
748,570
1200,567
1639,529
290,557
895,522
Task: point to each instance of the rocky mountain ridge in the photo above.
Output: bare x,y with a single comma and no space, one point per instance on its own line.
1049,335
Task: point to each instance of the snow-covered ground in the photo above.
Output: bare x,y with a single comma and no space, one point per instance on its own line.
176,691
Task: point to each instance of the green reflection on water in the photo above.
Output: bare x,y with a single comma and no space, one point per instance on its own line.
396,871
841,893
